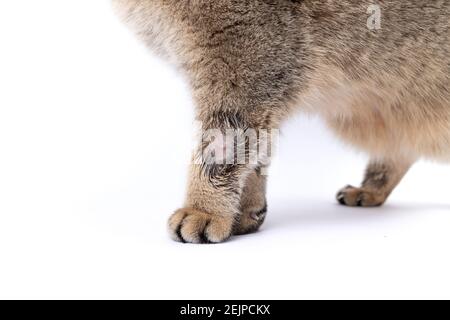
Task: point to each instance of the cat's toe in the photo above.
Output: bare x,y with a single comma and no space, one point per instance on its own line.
360,197
194,226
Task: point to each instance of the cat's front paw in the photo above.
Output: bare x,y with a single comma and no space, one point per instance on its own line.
194,226
360,197
250,220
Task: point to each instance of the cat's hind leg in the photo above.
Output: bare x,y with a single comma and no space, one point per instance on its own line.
381,178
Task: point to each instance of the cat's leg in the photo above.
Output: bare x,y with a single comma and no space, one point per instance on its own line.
211,208
381,178
253,203
218,180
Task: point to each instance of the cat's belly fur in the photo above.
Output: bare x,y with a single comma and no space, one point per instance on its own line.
381,120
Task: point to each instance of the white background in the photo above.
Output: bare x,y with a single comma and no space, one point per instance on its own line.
95,137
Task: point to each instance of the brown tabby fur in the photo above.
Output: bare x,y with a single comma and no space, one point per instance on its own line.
253,63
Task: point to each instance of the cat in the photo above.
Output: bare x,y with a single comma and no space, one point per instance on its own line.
377,72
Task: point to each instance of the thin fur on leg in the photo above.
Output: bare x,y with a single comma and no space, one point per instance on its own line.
382,176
